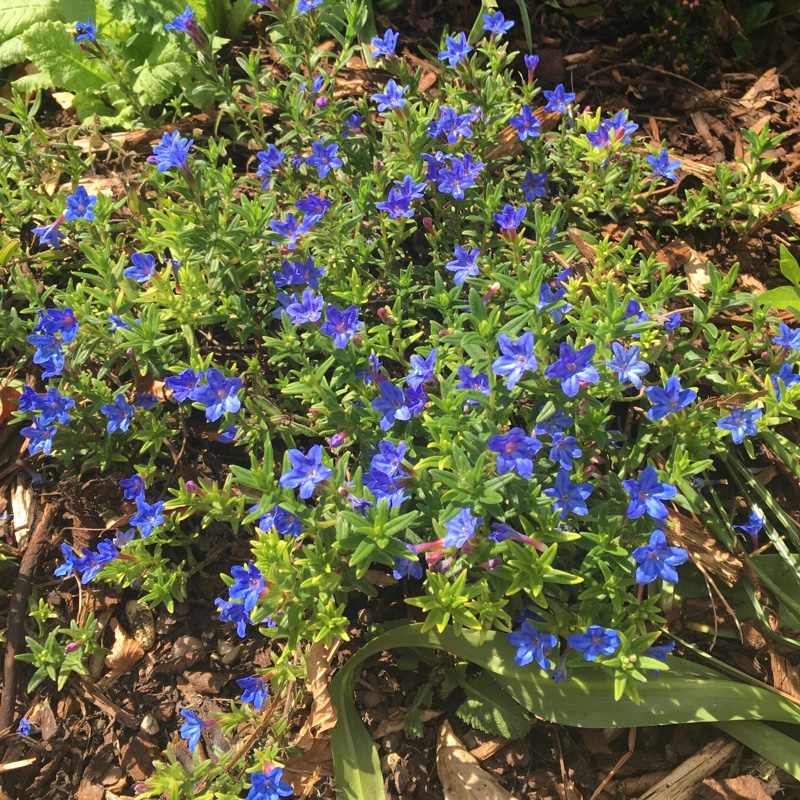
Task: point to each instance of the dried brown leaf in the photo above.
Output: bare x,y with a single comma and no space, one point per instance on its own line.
461,776
395,720
125,652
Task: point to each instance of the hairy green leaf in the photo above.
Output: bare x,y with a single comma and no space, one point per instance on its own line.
491,709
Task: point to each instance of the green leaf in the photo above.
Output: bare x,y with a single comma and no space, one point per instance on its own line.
51,47
166,65
491,709
789,267
782,297
12,51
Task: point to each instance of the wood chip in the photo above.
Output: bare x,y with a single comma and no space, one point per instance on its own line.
683,782
395,721
703,547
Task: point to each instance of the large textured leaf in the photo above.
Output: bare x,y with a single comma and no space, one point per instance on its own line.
166,65
491,709
51,47
17,16
686,693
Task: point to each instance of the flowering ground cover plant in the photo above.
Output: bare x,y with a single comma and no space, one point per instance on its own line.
416,357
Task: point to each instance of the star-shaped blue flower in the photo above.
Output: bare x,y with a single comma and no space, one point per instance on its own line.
647,494
670,399
741,423
456,48
627,364
517,358
663,167
515,451
306,472
573,368
597,641
461,528
569,497
532,645
218,394
658,560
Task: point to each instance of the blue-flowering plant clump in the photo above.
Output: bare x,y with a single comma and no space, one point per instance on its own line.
384,337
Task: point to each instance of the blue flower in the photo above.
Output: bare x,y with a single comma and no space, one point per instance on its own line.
569,497
72,562
459,176
456,48
527,124
464,265
548,297
663,167
268,161
752,527
309,309
788,338
248,585
254,691
313,208
515,451
49,354
786,375
658,560
564,449
93,562
352,124
422,369
517,358
510,218
341,326
40,436
290,230
741,423
134,487
282,520
477,383
50,234
531,61
391,405
410,188
389,458
595,642
80,205
184,384
672,321
558,99
627,365
452,125
670,399
573,368
29,400
306,471
532,645
148,516
119,413
192,729
144,267
646,495
171,151
496,23
307,5
24,728
53,321
324,158
285,301
218,394
392,97
435,162
396,205
85,31
461,528
533,185
406,568
54,407
235,613
370,373
384,46
269,786
660,653
117,322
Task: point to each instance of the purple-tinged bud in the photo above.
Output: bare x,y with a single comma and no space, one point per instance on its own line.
379,165
337,440
427,223
321,102
192,487
492,291
71,647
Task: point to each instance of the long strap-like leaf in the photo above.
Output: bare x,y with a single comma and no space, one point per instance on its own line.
685,693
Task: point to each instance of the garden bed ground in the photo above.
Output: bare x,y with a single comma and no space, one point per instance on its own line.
92,745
